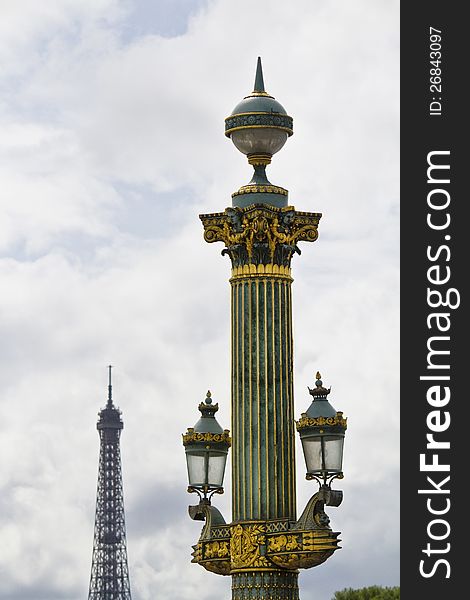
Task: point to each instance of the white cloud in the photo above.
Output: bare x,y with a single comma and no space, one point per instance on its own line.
111,146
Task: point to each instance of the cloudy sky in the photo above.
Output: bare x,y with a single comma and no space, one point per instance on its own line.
111,120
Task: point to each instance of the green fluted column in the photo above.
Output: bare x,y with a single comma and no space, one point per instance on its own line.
263,464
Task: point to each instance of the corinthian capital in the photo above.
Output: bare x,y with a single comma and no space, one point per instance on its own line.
260,234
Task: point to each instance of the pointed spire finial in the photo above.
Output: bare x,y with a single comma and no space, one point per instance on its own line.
319,392
259,81
110,387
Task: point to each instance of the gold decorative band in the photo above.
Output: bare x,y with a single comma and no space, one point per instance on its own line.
259,159
265,94
305,421
265,570
194,436
288,129
263,189
269,270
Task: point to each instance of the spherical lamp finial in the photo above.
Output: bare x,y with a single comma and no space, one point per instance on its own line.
259,127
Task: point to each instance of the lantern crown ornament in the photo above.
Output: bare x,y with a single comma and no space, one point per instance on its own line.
206,446
259,127
322,430
208,423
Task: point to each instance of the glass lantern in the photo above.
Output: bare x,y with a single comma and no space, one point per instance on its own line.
321,431
206,446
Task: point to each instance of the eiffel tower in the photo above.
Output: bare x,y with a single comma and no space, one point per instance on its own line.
109,570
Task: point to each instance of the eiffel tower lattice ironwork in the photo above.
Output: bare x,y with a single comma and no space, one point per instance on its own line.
109,569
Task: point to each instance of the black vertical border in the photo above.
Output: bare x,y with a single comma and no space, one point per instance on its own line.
421,134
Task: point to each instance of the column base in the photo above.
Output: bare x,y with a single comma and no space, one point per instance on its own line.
265,585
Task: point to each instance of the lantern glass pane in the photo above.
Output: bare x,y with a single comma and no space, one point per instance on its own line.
312,453
263,140
216,469
333,452
196,468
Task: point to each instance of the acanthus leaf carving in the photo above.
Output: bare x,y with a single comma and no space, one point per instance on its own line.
260,234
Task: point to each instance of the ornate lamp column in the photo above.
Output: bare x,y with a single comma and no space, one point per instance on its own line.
261,232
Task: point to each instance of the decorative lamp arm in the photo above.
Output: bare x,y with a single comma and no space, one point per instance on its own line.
204,511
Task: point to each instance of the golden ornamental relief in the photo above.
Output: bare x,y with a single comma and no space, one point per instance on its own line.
257,188
301,560
251,547
305,421
313,541
280,543
301,550
197,554
217,549
266,225
270,271
213,556
213,234
287,561
307,232
245,545
194,436
220,567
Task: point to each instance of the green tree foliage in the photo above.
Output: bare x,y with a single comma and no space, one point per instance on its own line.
373,592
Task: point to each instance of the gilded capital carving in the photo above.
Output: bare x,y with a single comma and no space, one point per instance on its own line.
261,234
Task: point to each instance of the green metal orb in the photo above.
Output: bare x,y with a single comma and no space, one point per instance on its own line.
259,124
259,127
